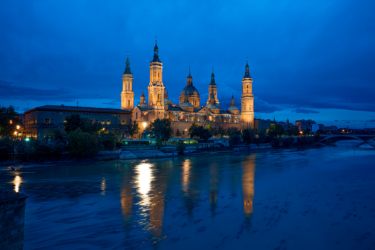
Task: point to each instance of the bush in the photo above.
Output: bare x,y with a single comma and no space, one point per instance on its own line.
275,142
287,142
82,144
119,144
180,147
38,149
234,140
108,141
6,148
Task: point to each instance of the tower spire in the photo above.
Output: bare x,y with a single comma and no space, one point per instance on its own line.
212,77
127,68
247,72
156,51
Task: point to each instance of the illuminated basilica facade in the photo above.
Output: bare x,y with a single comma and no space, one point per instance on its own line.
189,109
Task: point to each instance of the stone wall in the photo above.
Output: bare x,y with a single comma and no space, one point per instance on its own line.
12,219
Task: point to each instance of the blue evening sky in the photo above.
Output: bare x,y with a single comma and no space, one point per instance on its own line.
308,59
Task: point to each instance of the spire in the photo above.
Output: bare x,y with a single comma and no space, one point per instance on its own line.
212,77
127,68
247,72
189,76
232,101
156,52
143,95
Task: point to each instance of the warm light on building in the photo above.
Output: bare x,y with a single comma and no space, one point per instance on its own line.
10,122
144,125
18,126
15,132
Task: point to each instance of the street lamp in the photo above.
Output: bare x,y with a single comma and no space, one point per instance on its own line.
18,126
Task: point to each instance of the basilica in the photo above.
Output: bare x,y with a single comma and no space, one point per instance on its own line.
189,108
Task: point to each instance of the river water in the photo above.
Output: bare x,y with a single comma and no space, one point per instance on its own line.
317,198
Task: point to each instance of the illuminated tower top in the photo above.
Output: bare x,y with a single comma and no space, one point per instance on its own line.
127,68
247,72
212,78
156,52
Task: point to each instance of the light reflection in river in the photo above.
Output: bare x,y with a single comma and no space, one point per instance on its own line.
185,175
248,172
17,183
143,183
103,186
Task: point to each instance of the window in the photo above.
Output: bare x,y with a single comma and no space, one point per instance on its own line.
123,122
128,103
158,97
136,115
103,122
46,121
108,122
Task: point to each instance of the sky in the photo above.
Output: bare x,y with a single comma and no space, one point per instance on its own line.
308,59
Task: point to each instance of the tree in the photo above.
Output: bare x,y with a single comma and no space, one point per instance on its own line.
192,127
162,129
132,128
8,121
220,131
82,144
320,132
275,130
232,131
75,121
306,131
57,134
108,141
234,140
180,147
201,133
178,133
248,135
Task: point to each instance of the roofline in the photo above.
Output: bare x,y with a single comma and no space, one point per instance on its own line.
75,110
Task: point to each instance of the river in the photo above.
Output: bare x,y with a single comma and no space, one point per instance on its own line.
316,198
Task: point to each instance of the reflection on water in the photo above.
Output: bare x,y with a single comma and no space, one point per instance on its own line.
248,172
17,183
214,173
143,183
103,186
186,175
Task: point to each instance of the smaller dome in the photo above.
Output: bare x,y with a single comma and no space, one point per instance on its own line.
167,100
233,108
142,105
209,106
190,90
186,105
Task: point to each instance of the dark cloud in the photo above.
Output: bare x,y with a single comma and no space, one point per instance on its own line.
372,120
305,111
336,120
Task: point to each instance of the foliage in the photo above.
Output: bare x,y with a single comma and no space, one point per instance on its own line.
234,140
320,132
275,143
162,129
287,142
178,133
75,121
306,131
180,147
8,121
214,131
201,133
248,136
6,148
221,131
82,144
108,141
57,134
275,130
192,127
233,131
37,149
132,128
262,135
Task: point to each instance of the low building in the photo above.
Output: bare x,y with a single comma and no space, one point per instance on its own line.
304,124
331,129
260,124
40,120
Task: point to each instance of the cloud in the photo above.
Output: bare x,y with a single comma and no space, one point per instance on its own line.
336,120
372,120
305,111
261,106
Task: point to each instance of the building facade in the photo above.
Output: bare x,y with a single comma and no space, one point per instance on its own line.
189,109
42,119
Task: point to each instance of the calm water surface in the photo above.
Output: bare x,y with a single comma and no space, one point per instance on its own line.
322,198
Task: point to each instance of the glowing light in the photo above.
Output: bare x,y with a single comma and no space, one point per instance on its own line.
17,182
15,132
103,186
103,128
10,122
144,125
27,139
143,181
18,126
185,175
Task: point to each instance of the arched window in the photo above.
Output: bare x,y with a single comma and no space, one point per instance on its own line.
244,107
154,73
158,75
129,103
247,88
150,98
158,97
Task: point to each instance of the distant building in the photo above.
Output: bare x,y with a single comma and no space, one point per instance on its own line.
314,128
321,126
331,129
304,124
262,124
42,119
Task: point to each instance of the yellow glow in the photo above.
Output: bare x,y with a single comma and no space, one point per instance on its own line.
18,126
185,175
144,125
10,122
17,182
103,186
103,128
300,132
143,181
15,132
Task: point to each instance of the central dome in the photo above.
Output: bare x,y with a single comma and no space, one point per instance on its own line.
190,90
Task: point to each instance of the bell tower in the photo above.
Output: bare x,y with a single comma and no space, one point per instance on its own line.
247,99
156,88
212,90
127,94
